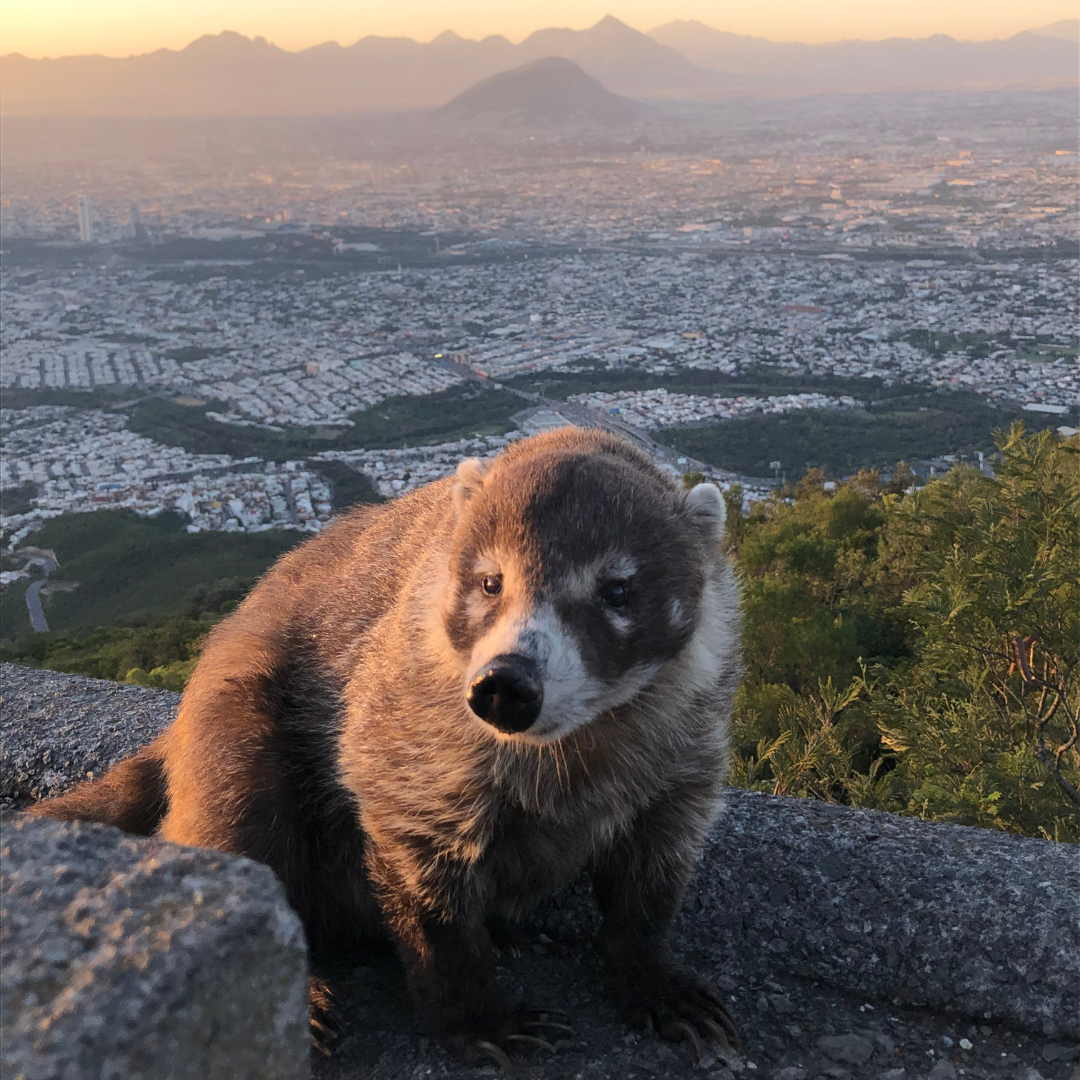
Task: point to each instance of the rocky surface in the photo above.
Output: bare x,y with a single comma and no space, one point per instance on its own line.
792,1029
62,728
852,944
969,920
125,957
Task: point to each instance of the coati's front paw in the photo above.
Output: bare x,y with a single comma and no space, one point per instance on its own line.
491,1033
326,1020
676,1003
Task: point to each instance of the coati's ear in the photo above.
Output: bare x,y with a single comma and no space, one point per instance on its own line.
706,505
468,480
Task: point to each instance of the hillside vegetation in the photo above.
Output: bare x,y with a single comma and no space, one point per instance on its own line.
918,652
147,592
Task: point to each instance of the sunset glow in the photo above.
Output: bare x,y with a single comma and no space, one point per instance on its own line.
126,27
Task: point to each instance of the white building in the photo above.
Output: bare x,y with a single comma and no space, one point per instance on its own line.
86,221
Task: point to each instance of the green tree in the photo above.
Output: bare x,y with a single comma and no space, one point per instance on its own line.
816,610
984,725
916,649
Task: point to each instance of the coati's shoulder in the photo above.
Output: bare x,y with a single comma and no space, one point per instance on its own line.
330,589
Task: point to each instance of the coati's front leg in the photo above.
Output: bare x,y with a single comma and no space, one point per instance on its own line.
639,887
434,911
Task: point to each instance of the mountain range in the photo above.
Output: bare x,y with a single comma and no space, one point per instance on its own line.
1032,57
231,75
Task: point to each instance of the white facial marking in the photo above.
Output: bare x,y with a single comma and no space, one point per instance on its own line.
621,568
572,696
485,564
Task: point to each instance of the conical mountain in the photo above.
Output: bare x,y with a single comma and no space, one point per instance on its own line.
550,90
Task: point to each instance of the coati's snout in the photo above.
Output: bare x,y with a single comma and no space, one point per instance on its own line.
508,693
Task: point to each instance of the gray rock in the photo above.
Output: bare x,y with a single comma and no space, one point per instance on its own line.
894,1074
835,1072
850,1049
943,1069
59,729
946,916
790,1072
134,958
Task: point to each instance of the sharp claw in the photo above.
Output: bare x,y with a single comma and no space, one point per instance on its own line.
565,1028
691,1033
319,1046
717,1032
497,1054
731,1028
532,1040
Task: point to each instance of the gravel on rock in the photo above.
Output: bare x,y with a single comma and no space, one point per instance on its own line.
852,1049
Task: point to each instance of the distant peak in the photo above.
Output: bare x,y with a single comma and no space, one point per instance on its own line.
610,25
447,37
549,89
225,41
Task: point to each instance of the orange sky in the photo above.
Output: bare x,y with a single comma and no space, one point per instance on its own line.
122,27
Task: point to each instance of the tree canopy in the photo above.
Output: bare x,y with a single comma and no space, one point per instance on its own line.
917,650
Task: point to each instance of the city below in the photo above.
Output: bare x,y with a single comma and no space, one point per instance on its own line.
221,337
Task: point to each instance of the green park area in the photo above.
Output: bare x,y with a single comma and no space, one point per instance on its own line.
409,420
913,427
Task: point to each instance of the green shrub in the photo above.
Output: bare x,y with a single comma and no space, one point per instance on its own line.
918,652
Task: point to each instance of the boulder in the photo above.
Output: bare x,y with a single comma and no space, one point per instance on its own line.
59,729
969,920
133,958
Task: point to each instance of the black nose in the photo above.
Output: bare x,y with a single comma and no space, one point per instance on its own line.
508,693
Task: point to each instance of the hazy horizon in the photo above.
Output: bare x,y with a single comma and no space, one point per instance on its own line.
121,28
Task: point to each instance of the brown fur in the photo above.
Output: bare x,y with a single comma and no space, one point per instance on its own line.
325,730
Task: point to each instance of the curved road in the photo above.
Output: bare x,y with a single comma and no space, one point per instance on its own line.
33,598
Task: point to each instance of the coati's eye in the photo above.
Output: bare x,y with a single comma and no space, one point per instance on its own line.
491,585
616,594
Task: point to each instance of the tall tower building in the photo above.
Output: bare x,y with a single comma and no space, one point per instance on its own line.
86,221
136,230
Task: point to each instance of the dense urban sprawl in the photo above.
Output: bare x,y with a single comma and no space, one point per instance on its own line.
931,245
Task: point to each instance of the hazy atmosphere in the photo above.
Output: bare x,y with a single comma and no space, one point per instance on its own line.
284,287
126,27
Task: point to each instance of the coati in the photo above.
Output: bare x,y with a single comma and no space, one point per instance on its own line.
441,709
